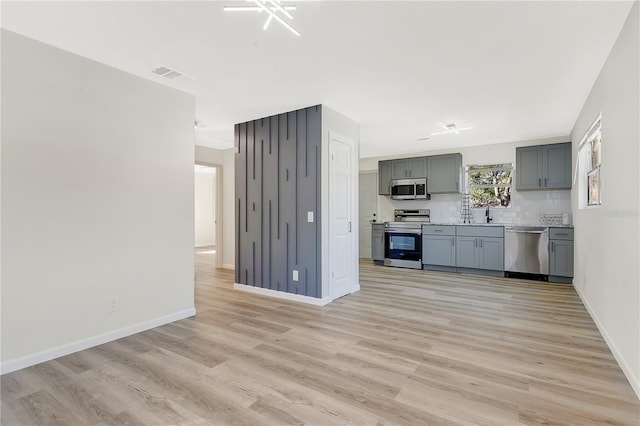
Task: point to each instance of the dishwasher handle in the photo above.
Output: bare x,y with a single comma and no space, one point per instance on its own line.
527,231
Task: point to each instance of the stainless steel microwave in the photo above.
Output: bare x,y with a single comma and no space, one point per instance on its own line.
409,189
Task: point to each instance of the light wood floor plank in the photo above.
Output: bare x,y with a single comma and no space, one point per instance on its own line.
412,347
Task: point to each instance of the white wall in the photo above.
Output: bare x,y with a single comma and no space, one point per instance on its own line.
224,158
205,207
607,237
228,208
445,208
97,202
334,122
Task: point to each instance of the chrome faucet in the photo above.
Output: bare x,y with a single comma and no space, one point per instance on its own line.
489,219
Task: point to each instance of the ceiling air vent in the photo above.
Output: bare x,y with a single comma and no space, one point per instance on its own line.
171,74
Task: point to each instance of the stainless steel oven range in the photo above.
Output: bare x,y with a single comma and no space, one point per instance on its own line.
403,238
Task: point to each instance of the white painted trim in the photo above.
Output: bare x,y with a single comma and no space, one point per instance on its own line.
633,381
282,295
229,266
49,354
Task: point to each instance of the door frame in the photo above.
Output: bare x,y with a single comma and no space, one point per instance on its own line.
218,210
354,239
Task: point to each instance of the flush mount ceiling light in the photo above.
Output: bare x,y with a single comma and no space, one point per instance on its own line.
451,128
272,7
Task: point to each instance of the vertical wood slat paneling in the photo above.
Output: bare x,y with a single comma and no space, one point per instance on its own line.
248,238
286,197
268,188
241,198
278,243
255,189
290,196
279,163
311,201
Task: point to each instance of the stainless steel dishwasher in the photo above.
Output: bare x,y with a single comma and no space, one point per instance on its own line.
526,251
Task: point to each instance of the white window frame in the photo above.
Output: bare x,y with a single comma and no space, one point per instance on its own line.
585,167
483,167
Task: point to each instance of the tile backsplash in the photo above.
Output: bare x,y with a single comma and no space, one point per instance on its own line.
445,208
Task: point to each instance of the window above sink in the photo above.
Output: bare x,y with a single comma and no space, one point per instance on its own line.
489,185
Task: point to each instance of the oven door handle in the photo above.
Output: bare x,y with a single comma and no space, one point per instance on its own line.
403,231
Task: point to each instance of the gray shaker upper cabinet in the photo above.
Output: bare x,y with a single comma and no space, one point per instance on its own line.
384,177
543,167
409,168
556,166
444,173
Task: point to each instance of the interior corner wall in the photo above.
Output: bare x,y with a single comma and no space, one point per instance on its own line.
607,238
277,170
97,202
335,122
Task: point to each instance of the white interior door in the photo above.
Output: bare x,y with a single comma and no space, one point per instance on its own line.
367,210
340,217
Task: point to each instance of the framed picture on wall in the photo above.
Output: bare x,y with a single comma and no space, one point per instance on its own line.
593,187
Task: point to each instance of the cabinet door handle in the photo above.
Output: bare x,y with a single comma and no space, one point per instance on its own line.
453,242
545,182
553,246
475,242
539,183
480,242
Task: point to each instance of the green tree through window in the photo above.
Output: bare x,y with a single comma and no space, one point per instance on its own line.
489,185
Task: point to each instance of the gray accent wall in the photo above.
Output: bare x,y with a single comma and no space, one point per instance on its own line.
277,181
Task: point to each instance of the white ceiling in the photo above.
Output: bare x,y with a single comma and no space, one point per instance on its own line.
512,70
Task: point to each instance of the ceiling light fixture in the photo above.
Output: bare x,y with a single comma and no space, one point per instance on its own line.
451,128
272,7
253,8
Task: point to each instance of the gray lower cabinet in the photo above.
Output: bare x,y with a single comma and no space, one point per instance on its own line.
466,254
377,242
444,173
480,253
543,167
439,245
491,253
480,247
560,254
384,177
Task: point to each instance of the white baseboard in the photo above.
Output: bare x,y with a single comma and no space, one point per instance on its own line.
282,295
228,266
633,381
49,354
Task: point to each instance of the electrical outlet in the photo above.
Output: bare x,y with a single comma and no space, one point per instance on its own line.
309,216
295,275
113,304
